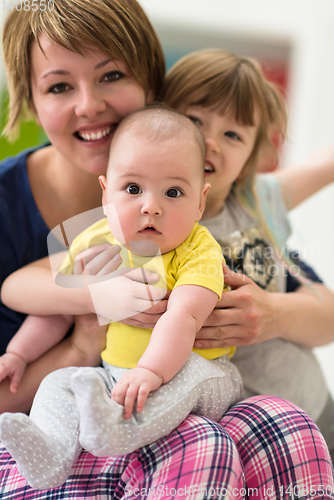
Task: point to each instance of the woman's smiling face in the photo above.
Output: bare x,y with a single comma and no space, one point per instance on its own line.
79,101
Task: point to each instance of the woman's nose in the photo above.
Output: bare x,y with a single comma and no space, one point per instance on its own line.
90,103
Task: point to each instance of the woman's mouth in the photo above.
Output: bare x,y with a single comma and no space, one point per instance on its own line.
96,135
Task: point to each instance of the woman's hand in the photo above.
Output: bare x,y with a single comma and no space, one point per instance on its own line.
242,316
132,296
98,260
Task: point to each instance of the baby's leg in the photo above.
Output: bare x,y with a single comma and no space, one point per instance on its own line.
205,387
45,445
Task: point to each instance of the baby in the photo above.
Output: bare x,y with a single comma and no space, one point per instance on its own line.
153,197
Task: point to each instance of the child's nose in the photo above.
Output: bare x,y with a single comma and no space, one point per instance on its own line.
151,206
212,144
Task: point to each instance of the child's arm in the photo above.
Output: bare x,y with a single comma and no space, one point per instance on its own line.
169,348
35,337
300,182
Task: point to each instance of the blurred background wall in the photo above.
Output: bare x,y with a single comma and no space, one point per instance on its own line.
294,40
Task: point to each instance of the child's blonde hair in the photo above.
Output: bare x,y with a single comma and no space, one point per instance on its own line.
118,28
227,83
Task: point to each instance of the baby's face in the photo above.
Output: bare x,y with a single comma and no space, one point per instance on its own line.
156,188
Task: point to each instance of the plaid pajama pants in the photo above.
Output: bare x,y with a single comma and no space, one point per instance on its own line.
264,448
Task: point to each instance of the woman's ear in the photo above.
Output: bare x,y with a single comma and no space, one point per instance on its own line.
202,200
103,184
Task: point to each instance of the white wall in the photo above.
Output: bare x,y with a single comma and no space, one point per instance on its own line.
305,26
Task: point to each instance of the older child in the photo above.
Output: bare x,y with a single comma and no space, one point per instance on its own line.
232,104
155,194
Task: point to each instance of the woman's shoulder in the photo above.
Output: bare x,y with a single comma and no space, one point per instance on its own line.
17,204
13,167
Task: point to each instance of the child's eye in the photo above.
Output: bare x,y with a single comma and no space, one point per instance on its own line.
58,88
233,135
133,189
113,76
174,193
195,120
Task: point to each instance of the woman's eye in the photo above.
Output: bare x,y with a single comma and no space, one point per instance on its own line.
113,76
233,135
173,193
59,88
195,120
133,189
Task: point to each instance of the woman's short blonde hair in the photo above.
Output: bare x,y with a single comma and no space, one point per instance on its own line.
228,83
118,28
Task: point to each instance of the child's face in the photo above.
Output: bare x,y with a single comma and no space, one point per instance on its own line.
79,100
157,189
229,145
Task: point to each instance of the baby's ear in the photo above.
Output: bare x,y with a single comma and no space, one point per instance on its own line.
103,184
202,200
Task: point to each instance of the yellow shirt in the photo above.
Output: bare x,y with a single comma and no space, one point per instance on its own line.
197,261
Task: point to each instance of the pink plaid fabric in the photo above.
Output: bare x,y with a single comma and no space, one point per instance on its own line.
266,448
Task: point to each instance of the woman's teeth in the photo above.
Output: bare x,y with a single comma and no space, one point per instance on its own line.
94,136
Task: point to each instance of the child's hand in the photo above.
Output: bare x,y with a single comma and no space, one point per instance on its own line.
135,384
13,366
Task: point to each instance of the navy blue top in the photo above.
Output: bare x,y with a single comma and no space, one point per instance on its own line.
23,232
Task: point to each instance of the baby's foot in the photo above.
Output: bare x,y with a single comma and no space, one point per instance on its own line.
99,415
35,453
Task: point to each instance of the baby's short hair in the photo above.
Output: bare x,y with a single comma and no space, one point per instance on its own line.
158,122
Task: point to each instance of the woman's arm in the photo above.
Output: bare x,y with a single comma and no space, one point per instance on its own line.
249,315
300,182
33,290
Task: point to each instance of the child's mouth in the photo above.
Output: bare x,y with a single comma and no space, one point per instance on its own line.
209,169
149,230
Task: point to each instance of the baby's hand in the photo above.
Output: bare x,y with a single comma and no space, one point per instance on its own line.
12,366
135,384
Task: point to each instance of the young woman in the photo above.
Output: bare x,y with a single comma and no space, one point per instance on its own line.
81,69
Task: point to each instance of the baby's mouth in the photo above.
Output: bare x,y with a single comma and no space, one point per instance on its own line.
94,136
149,230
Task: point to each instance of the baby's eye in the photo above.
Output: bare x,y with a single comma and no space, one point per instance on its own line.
174,193
59,88
113,76
233,135
133,189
